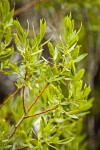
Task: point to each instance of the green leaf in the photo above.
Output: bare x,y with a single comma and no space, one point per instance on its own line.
73,70
87,91
55,137
39,51
22,35
5,63
17,41
14,67
72,48
68,27
23,135
8,146
6,7
42,28
66,141
31,147
65,103
80,74
51,48
55,54
76,52
59,78
73,116
6,53
86,105
81,57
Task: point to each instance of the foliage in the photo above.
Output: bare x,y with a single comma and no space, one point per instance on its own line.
41,83
86,12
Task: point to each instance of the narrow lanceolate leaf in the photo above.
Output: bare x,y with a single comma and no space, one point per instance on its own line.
14,67
72,48
73,70
76,52
66,141
87,91
6,53
55,53
21,34
42,28
79,58
17,41
80,74
73,116
51,48
68,28
19,27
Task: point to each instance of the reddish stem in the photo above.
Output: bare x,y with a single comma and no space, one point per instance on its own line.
42,112
10,97
23,100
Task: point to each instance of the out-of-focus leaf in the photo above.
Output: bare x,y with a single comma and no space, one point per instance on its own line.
81,57
66,141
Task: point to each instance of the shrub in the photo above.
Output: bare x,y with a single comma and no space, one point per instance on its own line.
52,99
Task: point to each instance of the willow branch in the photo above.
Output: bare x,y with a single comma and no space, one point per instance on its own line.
25,147
23,117
27,6
16,126
23,100
42,112
10,97
35,100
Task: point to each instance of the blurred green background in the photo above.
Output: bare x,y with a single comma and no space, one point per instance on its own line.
86,12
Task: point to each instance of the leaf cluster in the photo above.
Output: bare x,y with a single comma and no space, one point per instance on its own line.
52,92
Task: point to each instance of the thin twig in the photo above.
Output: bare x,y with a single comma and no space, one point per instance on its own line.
16,126
23,100
39,113
27,6
35,100
23,117
22,148
10,97
42,112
